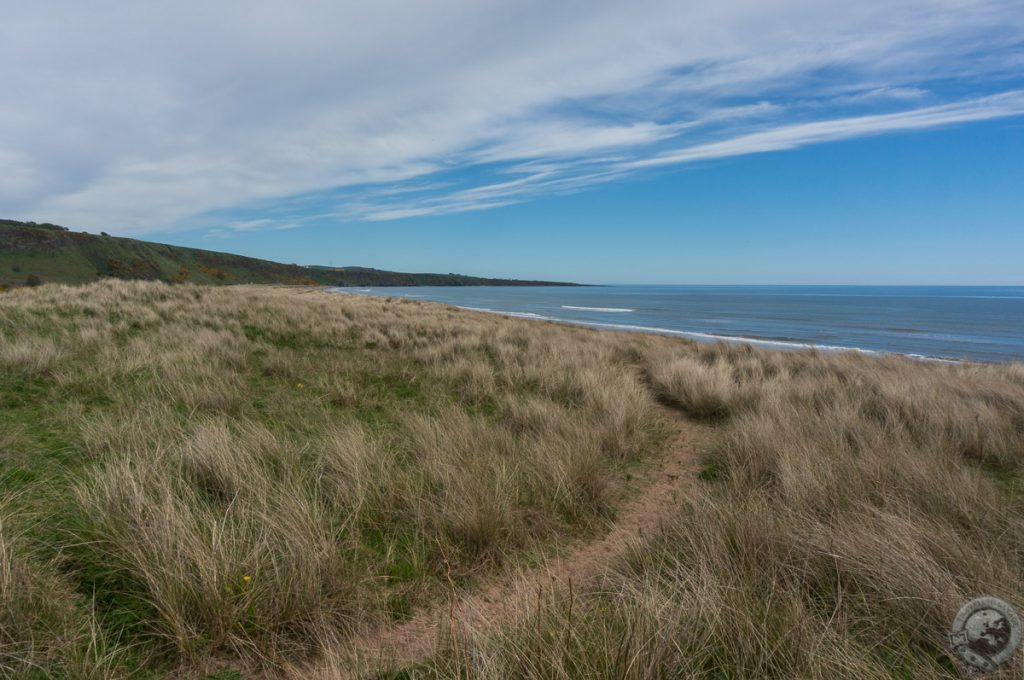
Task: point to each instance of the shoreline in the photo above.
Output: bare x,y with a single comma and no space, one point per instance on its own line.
697,336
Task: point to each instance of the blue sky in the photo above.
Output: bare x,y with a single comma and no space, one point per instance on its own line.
786,141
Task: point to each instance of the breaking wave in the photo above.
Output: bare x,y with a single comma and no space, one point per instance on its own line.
598,309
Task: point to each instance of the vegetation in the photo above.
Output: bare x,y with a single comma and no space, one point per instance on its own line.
849,506
32,253
209,479
231,472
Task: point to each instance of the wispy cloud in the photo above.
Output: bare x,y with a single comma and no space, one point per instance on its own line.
552,178
568,138
792,136
240,117
882,93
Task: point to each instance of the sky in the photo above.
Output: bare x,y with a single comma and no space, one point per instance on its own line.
650,141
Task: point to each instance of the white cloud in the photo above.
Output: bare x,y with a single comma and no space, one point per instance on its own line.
137,117
881,93
555,178
570,138
792,136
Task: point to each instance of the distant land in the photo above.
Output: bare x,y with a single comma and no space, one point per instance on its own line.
33,253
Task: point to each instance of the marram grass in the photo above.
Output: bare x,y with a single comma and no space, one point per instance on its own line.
201,478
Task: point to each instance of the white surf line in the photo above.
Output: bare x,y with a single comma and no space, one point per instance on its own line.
598,309
705,337
518,315
695,335
709,337
759,342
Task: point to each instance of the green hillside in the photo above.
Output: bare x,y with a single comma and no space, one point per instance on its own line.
32,253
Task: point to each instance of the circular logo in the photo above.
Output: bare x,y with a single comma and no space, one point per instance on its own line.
985,633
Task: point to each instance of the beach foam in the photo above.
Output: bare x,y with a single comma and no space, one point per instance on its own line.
709,337
518,315
776,342
598,309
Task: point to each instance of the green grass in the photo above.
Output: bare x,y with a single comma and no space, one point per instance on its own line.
54,255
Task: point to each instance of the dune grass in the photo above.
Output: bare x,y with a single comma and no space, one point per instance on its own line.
231,473
849,506
195,478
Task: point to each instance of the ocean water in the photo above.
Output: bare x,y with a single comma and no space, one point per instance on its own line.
973,323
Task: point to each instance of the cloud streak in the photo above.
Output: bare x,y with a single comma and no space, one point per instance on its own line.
1003,105
565,178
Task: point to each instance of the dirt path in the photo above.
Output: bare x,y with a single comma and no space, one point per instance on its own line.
416,639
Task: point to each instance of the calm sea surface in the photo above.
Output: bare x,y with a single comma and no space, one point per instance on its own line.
979,323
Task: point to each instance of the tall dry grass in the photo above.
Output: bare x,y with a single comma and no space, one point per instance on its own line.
849,506
240,473
193,477
42,633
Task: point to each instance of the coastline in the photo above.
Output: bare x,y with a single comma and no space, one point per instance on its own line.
697,336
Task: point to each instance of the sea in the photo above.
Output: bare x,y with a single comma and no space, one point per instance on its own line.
929,322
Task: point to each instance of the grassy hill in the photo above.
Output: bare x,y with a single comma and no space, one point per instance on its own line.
32,253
